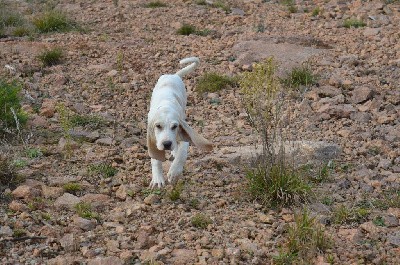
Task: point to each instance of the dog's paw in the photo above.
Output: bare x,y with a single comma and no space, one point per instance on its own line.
157,183
173,173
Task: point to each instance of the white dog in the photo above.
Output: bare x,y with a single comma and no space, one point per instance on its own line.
167,128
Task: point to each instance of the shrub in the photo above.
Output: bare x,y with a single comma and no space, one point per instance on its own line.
353,23
51,57
8,174
11,115
213,82
21,31
72,187
316,11
53,21
201,221
270,179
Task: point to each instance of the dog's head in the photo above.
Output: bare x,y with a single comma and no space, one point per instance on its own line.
166,129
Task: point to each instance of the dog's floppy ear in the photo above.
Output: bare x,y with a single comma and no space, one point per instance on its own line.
154,152
187,134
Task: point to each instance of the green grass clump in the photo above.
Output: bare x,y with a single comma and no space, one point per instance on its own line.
21,31
19,232
316,11
354,23
276,185
87,120
221,4
84,210
10,19
51,56
11,115
345,215
306,238
186,29
175,193
200,220
8,174
33,152
389,199
213,82
72,187
105,170
299,76
53,21
156,4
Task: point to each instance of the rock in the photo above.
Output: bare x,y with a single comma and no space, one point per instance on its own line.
121,193
143,239
112,73
183,256
218,253
37,121
394,239
267,219
368,32
67,145
61,180
17,206
151,199
84,224
52,192
5,231
48,108
67,200
105,141
96,200
361,95
328,91
370,228
338,111
112,246
384,163
111,260
344,184
68,242
60,261
391,221
363,117
26,192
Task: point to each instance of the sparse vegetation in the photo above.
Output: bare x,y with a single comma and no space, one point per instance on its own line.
346,215
72,187
306,238
90,121
19,232
51,57
53,21
8,174
316,11
213,82
11,114
270,179
104,170
221,4
84,210
390,198
200,220
353,23
379,221
186,30
299,76
175,193
66,125
156,4
33,152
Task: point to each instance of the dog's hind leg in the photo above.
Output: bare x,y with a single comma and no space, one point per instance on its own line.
157,175
180,156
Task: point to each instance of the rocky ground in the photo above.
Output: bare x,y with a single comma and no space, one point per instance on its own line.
350,117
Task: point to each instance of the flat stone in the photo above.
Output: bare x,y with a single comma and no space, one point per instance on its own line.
68,242
67,200
84,223
26,192
5,231
361,94
112,260
183,256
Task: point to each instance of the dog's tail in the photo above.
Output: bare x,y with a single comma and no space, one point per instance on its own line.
194,63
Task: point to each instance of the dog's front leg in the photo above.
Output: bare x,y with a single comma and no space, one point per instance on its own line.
157,179
180,156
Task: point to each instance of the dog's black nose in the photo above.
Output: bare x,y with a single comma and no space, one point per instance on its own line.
167,145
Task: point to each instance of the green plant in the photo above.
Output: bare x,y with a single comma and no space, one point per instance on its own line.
51,57
284,258
105,170
11,114
120,61
66,126
156,4
46,216
8,174
306,238
175,193
201,2
299,76
327,201
90,121
18,232
221,4
353,23
389,198
270,179
53,21
345,215
186,30
379,221
72,187
316,11
194,203
19,163
200,220
33,152
292,9
213,82
84,210
21,31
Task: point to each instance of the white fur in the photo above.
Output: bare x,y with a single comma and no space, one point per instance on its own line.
166,124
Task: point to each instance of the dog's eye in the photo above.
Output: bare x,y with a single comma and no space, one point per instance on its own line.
174,127
158,126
